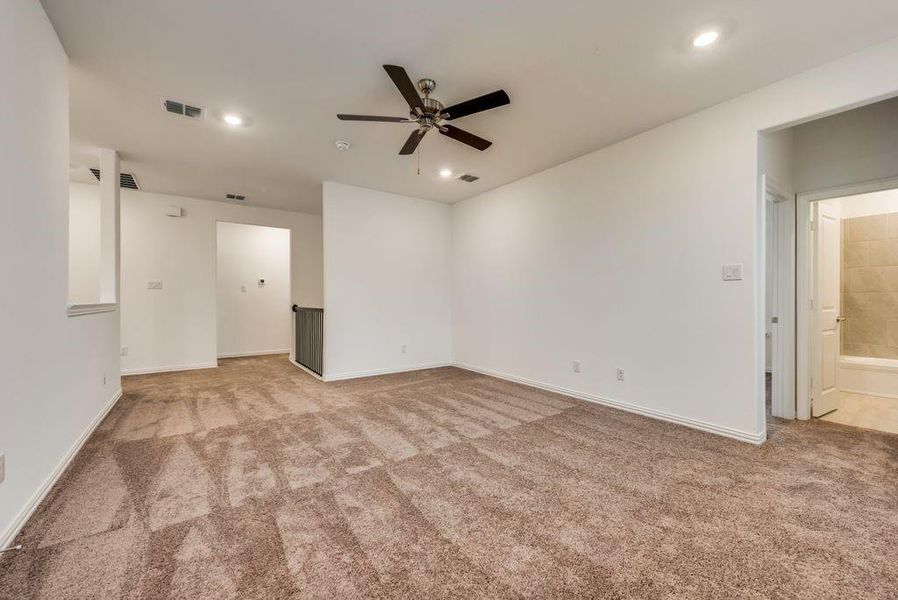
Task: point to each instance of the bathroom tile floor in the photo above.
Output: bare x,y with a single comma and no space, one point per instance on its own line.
870,412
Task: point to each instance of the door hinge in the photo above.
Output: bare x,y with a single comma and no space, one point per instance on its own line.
813,225
812,304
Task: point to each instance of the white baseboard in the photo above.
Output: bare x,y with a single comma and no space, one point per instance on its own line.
148,370
744,436
260,353
19,522
389,371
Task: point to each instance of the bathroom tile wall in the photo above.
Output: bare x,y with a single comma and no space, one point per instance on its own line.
870,286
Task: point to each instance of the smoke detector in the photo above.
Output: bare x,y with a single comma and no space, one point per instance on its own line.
342,145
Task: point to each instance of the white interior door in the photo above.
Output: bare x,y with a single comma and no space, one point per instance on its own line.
772,280
828,233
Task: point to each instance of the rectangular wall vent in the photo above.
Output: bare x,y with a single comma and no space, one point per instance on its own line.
235,197
126,180
468,177
182,108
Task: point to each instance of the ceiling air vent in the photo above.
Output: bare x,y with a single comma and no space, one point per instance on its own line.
126,180
468,177
235,197
182,108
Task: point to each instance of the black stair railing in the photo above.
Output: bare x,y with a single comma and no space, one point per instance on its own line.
309,338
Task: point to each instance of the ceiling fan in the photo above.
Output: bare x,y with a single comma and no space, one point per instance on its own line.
430,114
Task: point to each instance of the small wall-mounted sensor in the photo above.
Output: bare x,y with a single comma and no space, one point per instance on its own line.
261,283
173,211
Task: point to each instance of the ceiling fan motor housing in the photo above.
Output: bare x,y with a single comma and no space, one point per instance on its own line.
432,110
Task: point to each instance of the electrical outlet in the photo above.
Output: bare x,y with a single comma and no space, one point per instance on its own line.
124,351
2,467
154,285
404,349
576,366
620,374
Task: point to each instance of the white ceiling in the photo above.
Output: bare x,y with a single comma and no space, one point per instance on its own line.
580,74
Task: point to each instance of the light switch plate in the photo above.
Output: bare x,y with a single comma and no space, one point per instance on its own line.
154,285
732,272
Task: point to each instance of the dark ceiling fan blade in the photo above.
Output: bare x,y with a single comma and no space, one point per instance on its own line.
464,137
406,87
476,105
412,142
373,118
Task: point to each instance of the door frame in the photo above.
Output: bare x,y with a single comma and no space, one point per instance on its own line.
805,318
289,229
782,388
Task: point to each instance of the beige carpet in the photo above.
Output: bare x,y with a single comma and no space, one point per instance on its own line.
256,481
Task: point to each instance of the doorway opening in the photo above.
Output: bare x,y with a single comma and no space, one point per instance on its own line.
851,260
252,290
829,211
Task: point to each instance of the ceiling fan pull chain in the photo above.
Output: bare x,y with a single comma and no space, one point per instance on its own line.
419,160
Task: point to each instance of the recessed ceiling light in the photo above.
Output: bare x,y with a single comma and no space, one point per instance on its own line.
705,39
342,145
445,173
232,119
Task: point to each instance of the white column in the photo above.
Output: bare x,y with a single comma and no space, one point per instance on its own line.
110,172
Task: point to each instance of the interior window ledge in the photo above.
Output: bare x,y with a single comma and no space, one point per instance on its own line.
75,310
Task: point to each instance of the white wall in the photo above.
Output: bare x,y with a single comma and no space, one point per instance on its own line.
84,245
253,318
387,282
865,205
614,259
776,158
855,146
52,366
175,327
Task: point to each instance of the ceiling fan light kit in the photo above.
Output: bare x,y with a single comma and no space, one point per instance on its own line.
428,113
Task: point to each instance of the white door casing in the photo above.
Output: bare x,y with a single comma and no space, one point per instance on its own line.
828,239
